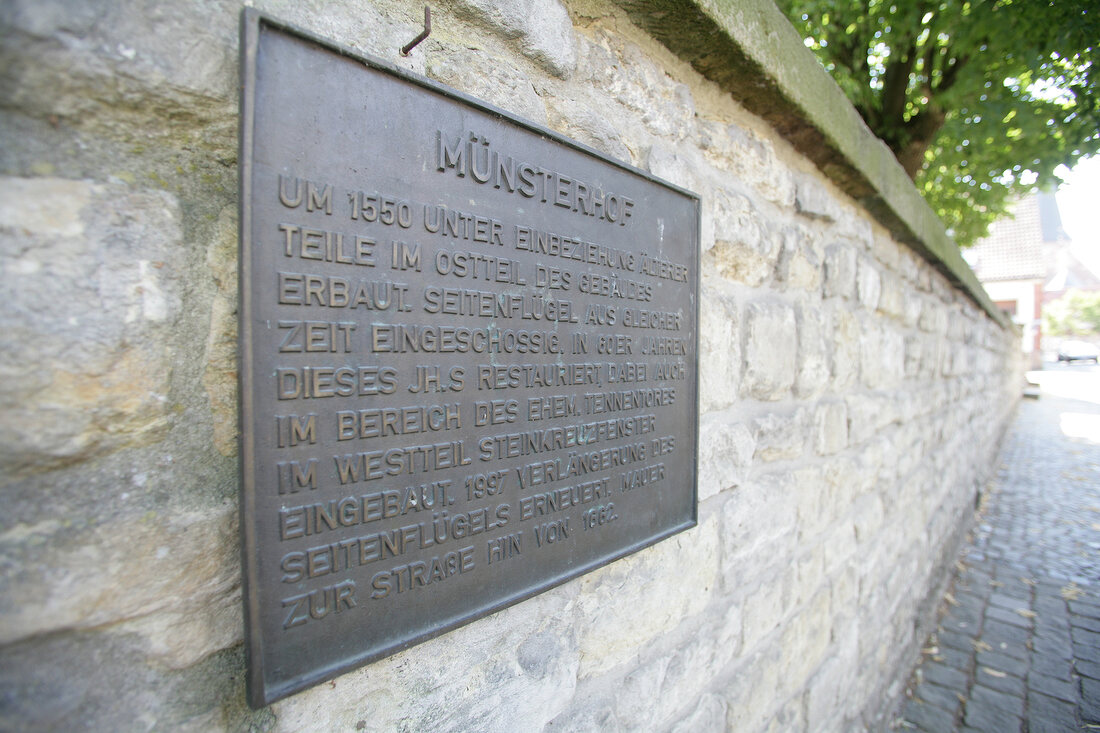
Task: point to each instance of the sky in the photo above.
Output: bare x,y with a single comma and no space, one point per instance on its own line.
1079,205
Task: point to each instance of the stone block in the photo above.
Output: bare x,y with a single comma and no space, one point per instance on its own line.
893,356
850,470
597,715
959,324
882,355
758,514
744,248
181,635
927,717
909,264
1007,616
932,356
106,682
681,166
542,29
914,352
638,696
719,348
725,640
814,201
219,376
855,228
805,640
933,318
781,435
473,71
961,363
868,284
868,517
650,97
999,681
811,573
814,362
871,350
766,608
117,59
1090,700
613,623
862,418
891,300
1051,686
1086,668
990,710
751,696
815,503
799,267
844,588
885,249
520,662
830,428
726,450
789,717
912,307
747,157
842,476
1085,622
688,671
846,349
771,350
579,120
829,689
178,574
91,275
709,714
840,270
1048,715
840,546
945,698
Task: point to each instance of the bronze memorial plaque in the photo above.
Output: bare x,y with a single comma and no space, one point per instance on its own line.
468,358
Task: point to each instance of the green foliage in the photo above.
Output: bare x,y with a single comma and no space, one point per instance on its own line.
1075,313
979,99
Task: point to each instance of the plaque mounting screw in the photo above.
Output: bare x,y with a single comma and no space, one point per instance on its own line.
423,34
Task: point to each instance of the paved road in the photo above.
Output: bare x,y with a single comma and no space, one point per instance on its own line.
1018,645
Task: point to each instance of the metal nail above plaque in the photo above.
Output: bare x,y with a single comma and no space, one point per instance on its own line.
468,358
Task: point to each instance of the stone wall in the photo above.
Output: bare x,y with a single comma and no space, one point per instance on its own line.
853,393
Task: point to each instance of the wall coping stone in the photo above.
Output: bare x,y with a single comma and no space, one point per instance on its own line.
750,49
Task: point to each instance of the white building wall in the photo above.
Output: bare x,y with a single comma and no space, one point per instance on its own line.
1023,292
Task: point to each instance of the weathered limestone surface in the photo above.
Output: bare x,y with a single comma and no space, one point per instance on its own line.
851,398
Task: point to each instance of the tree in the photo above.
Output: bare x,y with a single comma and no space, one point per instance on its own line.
980,100
1075,313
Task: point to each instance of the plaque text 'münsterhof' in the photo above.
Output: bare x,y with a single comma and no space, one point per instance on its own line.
468,359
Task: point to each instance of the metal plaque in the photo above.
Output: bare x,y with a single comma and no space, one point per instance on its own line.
468,358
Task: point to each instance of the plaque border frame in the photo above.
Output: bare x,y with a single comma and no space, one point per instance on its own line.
261,693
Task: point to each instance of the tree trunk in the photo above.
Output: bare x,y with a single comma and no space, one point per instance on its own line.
920,131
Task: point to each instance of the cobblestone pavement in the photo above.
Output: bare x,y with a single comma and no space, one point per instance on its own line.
1017,647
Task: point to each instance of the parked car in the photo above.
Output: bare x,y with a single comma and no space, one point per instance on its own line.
1078,351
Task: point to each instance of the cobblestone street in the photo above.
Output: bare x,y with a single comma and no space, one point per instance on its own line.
1017,647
